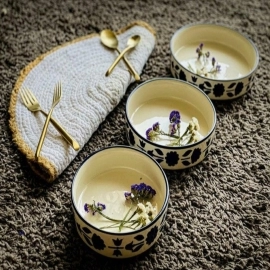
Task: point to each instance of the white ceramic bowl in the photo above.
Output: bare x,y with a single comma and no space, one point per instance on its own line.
236,55
151,102
104,177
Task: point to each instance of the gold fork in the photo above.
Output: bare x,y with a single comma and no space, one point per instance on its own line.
32,104
56,98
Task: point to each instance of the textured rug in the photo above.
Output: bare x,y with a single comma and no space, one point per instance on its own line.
219,214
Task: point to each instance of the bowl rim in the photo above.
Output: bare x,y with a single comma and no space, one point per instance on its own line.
172,147
256,64
160,213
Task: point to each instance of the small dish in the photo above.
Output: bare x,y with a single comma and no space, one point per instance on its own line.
103,179
236,59
152,102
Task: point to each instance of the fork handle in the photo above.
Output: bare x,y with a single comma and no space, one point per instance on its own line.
63,132
43,134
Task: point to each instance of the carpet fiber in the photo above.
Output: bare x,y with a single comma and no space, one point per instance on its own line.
219,214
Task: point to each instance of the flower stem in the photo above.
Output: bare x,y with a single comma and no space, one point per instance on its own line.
109,218
124,219
169,135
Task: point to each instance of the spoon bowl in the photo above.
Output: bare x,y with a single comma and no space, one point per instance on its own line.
133,41
109,39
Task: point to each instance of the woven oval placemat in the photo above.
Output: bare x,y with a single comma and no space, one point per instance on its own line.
88,96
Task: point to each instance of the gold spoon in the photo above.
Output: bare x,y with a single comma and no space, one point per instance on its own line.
109,39
132,42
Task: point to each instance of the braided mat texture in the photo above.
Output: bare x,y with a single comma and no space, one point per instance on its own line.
88,95
219,212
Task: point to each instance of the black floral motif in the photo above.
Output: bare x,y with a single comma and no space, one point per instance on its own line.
131,137
142,143
208,143
191,156
172,158
98,243
196,155
235,89
117,247
134,247
203,87
158,156
152,235
117,253
175,66
182,75
118,242
218,90
194,79
239,87
86,230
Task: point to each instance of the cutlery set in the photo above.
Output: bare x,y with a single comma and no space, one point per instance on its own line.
108,39
56,98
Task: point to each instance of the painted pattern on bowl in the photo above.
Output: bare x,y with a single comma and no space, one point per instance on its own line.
117,245
171,158
96,170
187,95
232,48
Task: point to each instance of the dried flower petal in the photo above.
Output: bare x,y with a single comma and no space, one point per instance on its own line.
86,208
128,195
196,123
156,126
150,134
202,64
172,129
142,214
174,117
101,206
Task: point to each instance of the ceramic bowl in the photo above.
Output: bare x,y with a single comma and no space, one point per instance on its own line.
103,178
151,102
236,57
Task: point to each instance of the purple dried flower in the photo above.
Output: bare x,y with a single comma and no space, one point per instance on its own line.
94,207
128,195
143,191
101,206
156,126
175,117
148,133
172,129
213,61
86,208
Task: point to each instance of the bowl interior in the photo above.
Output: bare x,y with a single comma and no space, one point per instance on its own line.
153,101
236,54
106,175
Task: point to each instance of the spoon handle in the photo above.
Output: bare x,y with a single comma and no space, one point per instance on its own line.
118,59
131,69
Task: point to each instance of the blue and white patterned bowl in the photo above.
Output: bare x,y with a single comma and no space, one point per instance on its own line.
237,56
152,101
104,177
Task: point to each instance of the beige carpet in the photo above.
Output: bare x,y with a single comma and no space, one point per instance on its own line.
218,216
